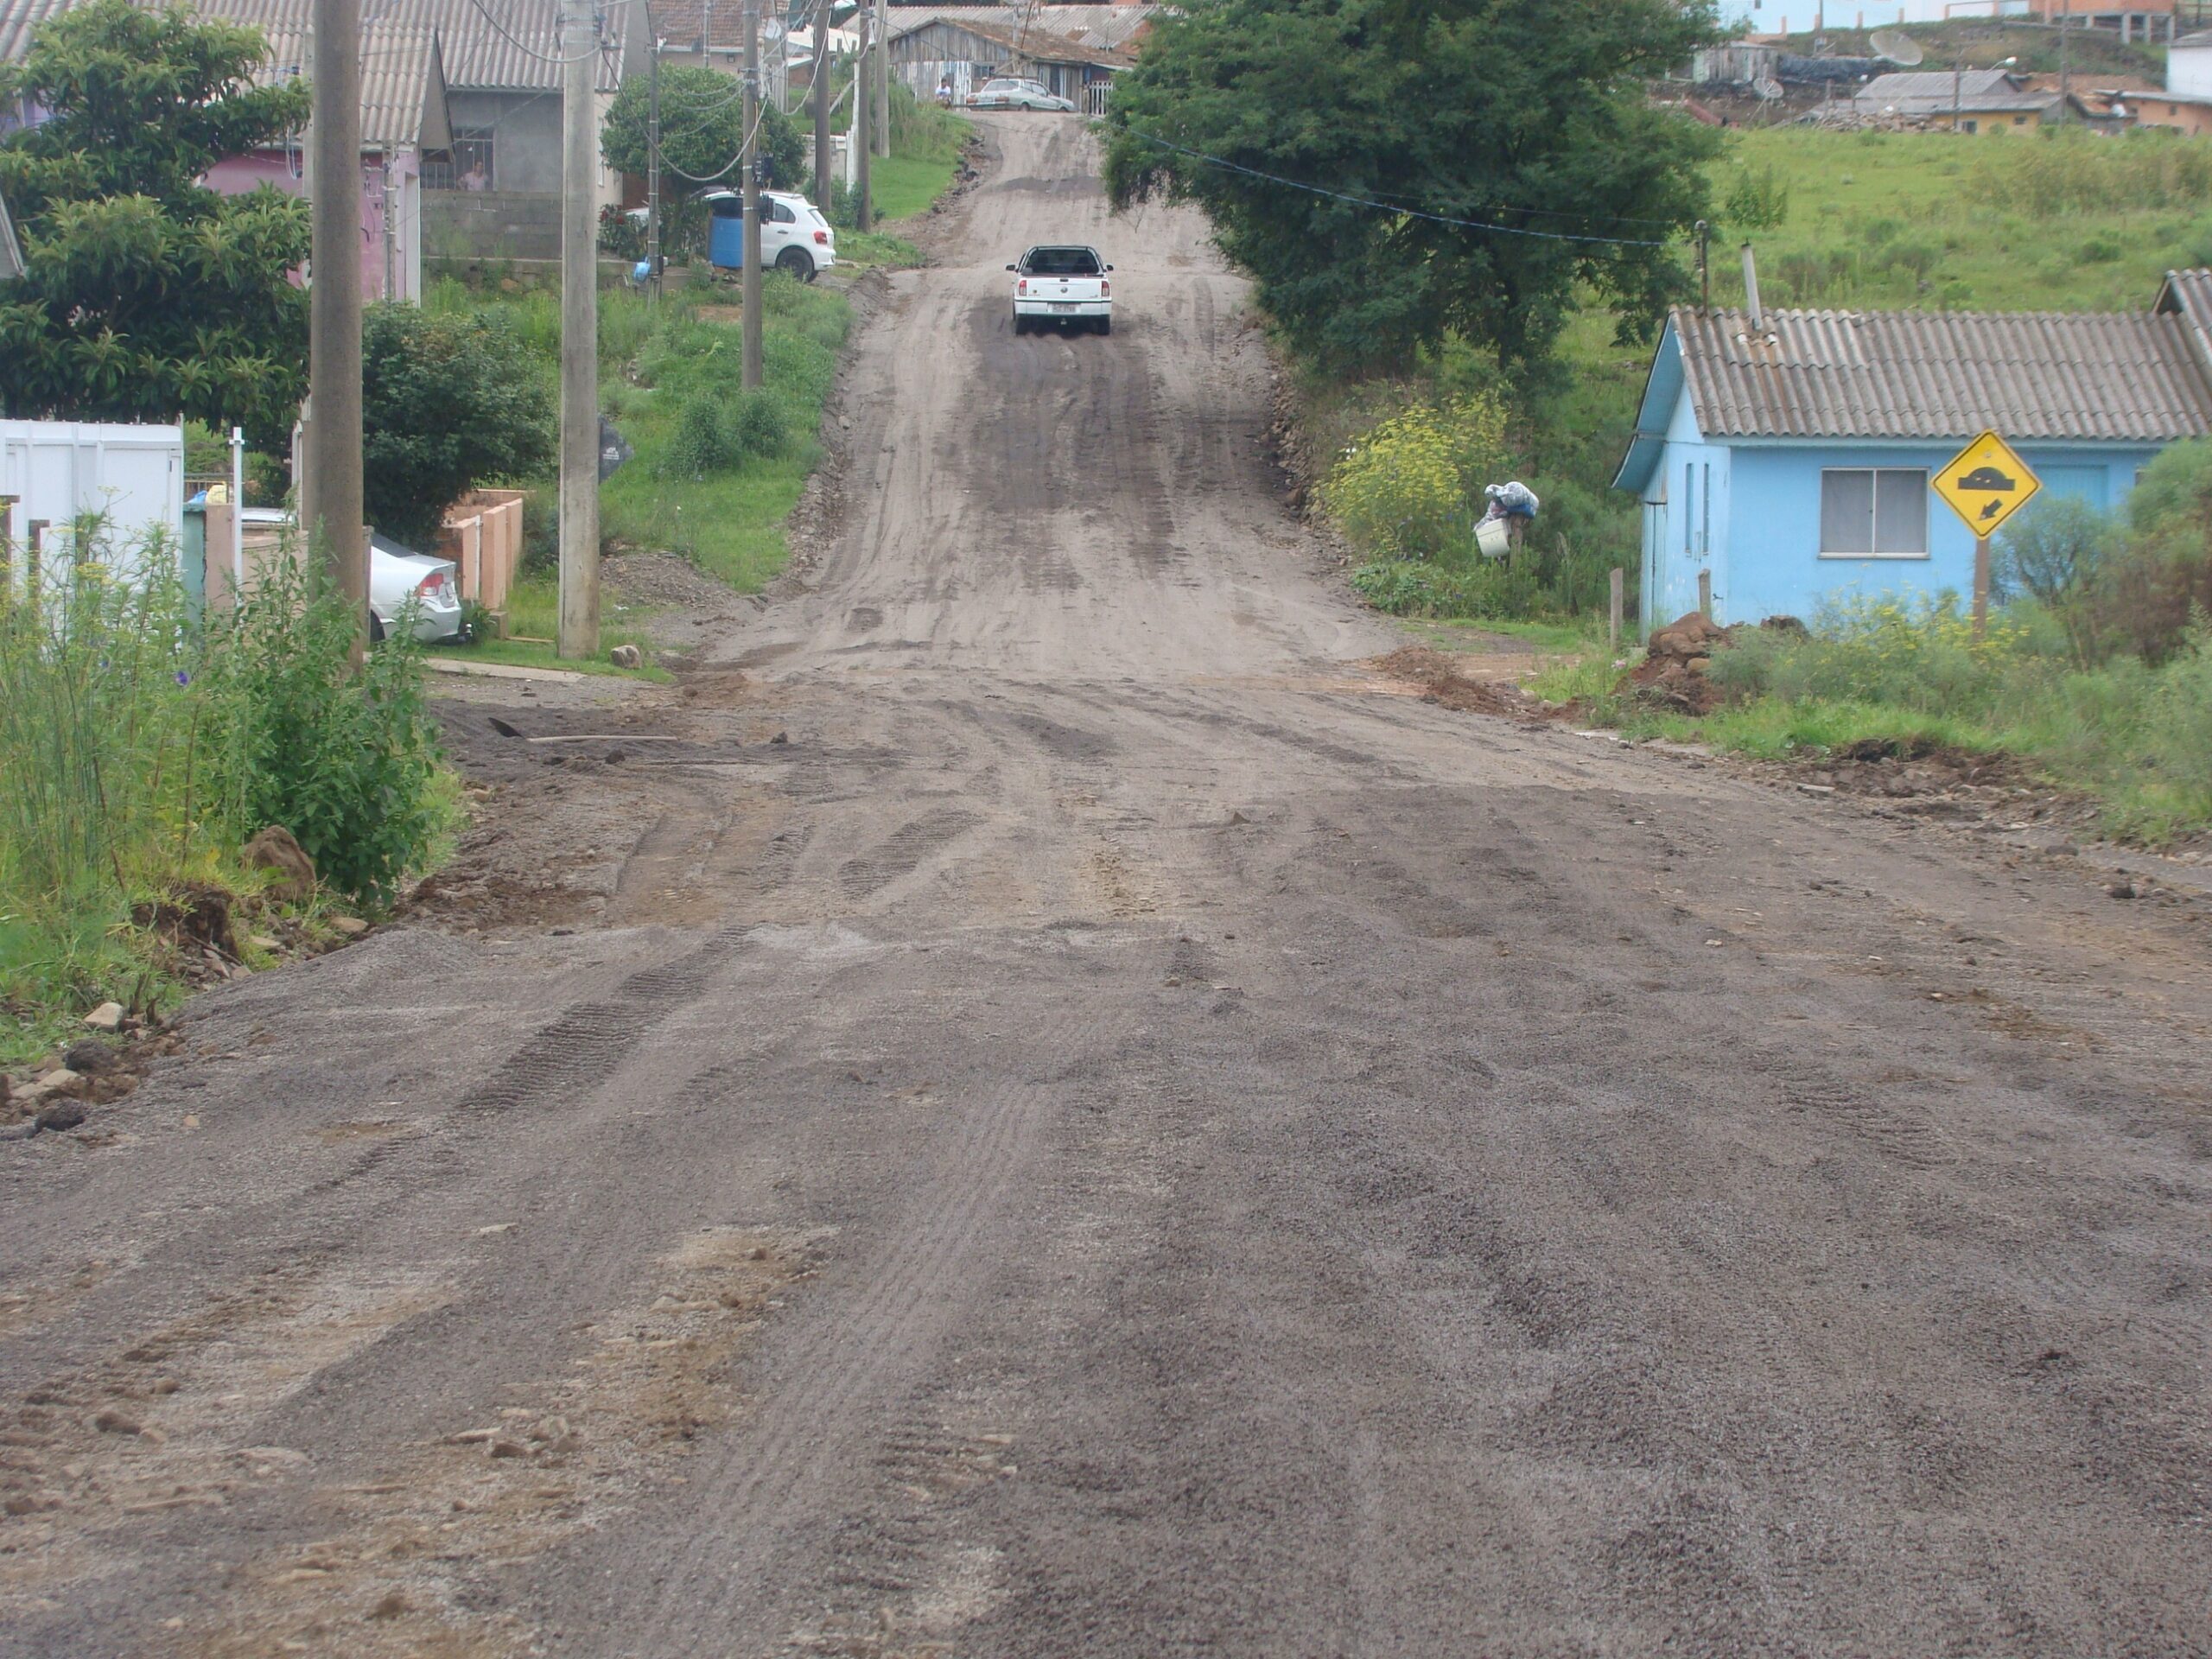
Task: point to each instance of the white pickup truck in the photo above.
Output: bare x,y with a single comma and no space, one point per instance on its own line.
1065,287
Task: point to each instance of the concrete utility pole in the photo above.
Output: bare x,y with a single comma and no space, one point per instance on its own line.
653,167
822,172
331,482
856,138
579,628
749,372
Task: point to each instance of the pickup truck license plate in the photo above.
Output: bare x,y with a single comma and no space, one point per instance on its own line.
1062,305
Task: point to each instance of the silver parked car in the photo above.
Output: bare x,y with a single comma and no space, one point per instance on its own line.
1009,92
395,574
398,574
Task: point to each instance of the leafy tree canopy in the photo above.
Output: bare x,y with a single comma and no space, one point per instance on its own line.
702,129
447,402
1529,116
145,293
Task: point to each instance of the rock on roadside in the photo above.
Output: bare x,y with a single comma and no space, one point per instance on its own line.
276,849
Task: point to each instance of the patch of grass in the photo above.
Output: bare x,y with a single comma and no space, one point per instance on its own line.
876,248
2136,736
534,609
1572,636
906,185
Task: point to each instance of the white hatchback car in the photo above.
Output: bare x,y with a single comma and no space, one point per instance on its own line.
794,235
1009,92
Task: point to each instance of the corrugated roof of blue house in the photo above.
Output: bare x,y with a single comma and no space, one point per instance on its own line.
1788,455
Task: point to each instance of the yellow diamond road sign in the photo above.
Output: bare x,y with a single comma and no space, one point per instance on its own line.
1986,483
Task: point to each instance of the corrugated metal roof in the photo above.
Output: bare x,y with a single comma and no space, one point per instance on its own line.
1037,46
487,45
1110,27
403,94
1926,374
1929,93
18,18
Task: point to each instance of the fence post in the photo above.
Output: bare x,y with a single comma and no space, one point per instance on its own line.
35,544
7,544
1613,626
1980,586
1705,594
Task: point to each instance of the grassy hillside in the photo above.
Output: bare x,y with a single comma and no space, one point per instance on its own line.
1923,220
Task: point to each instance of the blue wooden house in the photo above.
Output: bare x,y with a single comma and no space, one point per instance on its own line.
1788,453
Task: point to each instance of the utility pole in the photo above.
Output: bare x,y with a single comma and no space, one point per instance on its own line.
2065,80
856,136
330,491
579,627
749,372
652,166
822,174
880,129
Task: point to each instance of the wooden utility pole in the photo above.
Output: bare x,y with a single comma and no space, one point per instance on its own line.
331,488
1980,586
856,136
1615,617
749,370
880,127
579,627
822,170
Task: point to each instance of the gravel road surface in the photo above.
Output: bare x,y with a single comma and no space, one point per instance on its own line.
1127,1133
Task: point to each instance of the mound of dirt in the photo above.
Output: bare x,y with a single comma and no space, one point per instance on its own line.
1673,671
1438,673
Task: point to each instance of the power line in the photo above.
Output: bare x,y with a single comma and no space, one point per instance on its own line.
1395,208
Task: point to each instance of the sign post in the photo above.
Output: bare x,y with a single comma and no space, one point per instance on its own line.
1986,483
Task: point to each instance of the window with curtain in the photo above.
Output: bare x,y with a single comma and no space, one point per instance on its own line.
1874,512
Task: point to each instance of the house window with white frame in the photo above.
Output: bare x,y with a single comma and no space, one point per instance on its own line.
1874,512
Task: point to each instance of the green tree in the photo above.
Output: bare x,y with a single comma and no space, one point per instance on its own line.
144,292
702,130
447,402
1527,117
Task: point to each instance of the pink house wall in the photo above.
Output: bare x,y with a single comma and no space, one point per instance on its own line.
242,173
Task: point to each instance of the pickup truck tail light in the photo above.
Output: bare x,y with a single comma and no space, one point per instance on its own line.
1105,288
1021,286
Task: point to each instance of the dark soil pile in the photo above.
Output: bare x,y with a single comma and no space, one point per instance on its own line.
1437,673
1673,671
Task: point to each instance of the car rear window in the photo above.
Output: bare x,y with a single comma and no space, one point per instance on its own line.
1062,261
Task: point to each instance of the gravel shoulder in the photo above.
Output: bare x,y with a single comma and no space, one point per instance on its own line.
1040,1103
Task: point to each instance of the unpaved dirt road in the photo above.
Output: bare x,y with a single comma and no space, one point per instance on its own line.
1126,1135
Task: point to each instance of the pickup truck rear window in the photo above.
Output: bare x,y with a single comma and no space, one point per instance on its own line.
1061,262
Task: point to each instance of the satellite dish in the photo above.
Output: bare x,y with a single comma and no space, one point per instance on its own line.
1897,46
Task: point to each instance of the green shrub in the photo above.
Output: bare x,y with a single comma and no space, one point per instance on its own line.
1477,589
2102,249
1757,200
1403,489
344,759
103,746
2178,728
2049,548
703,441
447,402
756,424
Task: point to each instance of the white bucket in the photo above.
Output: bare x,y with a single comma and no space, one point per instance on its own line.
1490,537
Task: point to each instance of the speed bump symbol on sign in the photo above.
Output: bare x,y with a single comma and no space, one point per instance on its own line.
1986,483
